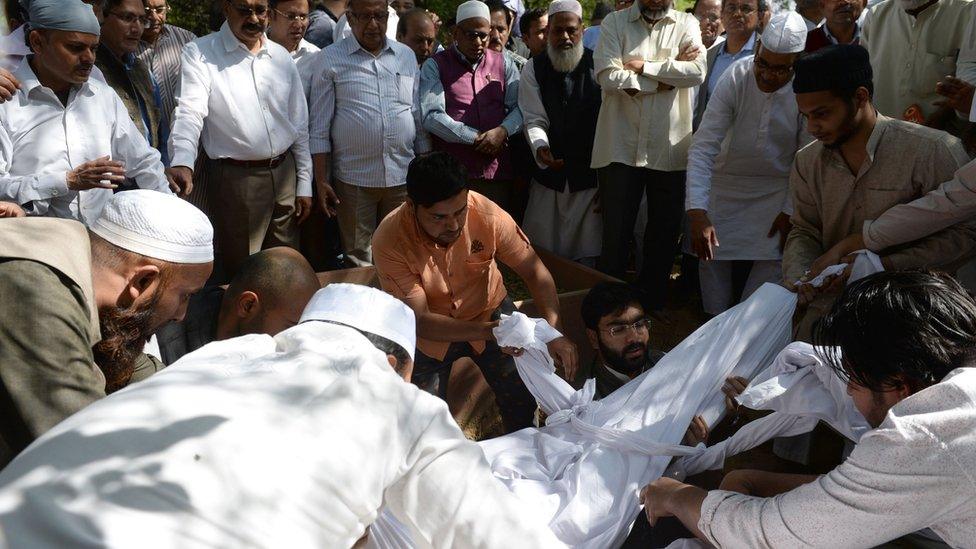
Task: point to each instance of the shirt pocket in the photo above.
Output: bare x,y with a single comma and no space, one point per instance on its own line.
936,67
405,84
478,274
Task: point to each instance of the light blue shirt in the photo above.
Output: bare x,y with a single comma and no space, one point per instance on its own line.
433,105
364,112
591,37
725,59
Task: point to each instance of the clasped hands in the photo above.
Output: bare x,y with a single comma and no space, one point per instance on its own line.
491,142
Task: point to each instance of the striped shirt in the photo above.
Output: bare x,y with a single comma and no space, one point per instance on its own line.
364,111
163,60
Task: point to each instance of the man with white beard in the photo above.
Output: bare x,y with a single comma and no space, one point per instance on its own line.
560,102
913,45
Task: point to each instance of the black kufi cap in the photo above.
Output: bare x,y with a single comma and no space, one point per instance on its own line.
837,67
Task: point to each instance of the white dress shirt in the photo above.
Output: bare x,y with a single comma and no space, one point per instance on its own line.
258,442
745,147
13,49
912,472
364,112
241,105
652,129
41,140
304,56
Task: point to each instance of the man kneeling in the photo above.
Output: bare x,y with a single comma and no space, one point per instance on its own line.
907,344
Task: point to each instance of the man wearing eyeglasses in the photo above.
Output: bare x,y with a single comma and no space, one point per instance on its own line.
123,22
160,50
469,102
286,26
241,97
739,169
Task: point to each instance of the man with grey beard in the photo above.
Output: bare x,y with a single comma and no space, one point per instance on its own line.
913,44
560,102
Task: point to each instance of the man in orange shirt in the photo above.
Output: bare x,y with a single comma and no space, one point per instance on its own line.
437,252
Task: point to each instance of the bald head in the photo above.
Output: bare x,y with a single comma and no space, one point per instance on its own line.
268,294
416,30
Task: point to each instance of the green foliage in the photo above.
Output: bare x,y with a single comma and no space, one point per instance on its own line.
193,15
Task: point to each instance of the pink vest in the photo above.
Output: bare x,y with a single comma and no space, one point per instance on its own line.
476,98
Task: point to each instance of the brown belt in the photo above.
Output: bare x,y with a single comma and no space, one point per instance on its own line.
266,163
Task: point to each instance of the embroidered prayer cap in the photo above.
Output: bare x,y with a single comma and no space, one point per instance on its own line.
367,310
63,15
156,225
837,67
473,9
785,33
571,6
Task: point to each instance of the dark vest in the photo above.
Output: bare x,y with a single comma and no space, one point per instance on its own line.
572,102
132,86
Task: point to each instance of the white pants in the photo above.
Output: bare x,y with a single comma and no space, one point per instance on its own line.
716,282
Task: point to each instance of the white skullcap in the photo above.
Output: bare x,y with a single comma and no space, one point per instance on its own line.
571,6
156,225
367,310
785,33
472,9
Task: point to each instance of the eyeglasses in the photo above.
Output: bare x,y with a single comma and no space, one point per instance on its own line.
773,70
640,326
744,9
157,11
367,18
475,35
293,17
711,18
246,11
129,18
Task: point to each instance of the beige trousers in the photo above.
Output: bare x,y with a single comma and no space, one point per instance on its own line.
252,209
360,210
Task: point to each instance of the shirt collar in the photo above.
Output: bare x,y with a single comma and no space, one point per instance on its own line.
353,45
634,13
833,40
880,124
231,42
29,81
465,59
746,49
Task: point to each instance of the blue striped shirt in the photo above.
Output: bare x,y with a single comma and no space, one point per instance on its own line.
364,111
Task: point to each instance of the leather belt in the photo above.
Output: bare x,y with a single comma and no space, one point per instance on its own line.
266,163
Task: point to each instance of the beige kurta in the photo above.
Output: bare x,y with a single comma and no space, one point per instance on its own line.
48,327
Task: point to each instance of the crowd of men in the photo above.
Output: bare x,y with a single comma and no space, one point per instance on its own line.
171,196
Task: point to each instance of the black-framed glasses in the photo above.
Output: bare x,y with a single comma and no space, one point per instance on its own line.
476,35
157,11
640,326
744,9
367,17
130,18
773,70
293,17
246,11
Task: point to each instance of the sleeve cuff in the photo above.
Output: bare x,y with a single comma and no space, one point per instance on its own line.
652,69
186,159
318,146
468,135
52,185
707,512
869,242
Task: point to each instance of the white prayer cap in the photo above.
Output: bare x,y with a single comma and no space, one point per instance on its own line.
571,6
367,310
156,225
472,9
785,33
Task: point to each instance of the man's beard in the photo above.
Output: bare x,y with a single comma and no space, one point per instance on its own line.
620,363
656,15
849,129
124,334
565,60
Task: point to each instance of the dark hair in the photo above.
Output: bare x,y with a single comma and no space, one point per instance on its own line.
498,5
606,298
530,17
896,328
274,4
600,11
386,346
761,8
411,15
434,178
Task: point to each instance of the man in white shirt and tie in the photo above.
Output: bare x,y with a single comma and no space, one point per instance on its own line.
242,98
66,142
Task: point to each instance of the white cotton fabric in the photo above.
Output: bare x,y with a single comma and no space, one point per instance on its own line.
866,263
473,9
156,225
785,33
560,6
366,309
258,442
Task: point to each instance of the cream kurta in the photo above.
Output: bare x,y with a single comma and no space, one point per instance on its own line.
652,129
910,56
739,163
293,442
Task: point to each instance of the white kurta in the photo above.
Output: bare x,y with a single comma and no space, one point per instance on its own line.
292,442
739,163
